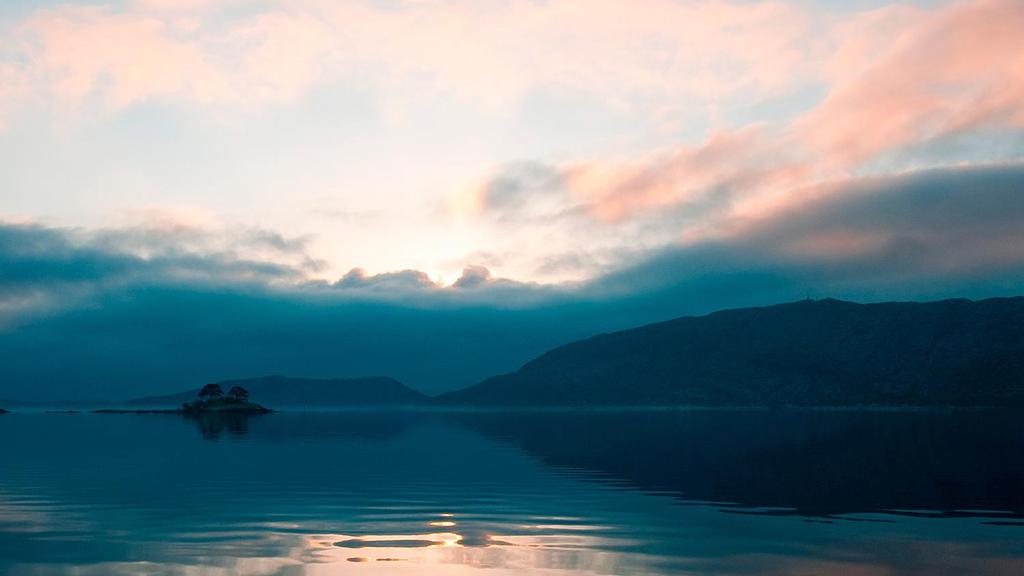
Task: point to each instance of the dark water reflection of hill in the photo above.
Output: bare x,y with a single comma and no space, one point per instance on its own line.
803,462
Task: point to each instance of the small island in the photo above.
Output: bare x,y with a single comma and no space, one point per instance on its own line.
210,400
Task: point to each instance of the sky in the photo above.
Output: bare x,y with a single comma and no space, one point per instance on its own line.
437,190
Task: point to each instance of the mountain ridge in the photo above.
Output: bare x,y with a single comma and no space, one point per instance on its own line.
813,352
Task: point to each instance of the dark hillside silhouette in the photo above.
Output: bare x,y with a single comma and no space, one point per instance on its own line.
825,352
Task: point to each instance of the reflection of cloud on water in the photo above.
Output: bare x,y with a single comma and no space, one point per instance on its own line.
26,515
517,555
470,550
247,566
552,544
871,558
576,553
18,515
419,541
527,554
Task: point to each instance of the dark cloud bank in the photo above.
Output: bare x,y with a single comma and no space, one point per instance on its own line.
118,315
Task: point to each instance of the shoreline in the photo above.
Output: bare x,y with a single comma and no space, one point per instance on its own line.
547,409
243,411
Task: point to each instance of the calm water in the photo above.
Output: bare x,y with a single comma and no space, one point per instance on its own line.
785,492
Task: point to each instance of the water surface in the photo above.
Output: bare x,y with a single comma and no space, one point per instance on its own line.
701,492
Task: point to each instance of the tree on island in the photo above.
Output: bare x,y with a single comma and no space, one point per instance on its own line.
238,394
211,398
211,392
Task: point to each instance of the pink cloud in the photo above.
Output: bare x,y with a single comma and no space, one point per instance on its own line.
181,5
279,56
939,72
79,55
484,53
685,175
899,77
895,75
496,52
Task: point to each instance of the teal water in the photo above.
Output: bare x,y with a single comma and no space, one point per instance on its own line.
723,493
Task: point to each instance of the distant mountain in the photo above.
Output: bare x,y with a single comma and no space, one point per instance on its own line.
278,391
825,352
